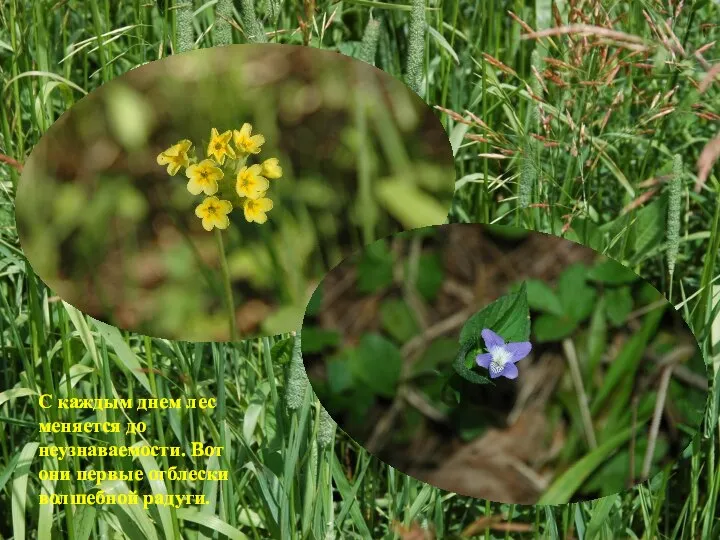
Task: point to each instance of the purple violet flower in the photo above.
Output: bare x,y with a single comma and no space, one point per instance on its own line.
500,361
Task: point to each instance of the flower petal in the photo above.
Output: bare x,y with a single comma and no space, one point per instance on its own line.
483,360
265,204
207,223
211,187
225,207
491,339
261,217
194,187
518,350
162,159
221,222
510,371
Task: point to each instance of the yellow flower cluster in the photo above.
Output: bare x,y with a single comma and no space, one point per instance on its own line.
224,160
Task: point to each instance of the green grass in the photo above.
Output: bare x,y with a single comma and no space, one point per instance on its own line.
598,180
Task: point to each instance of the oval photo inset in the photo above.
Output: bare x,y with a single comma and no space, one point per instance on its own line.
230,177
504,364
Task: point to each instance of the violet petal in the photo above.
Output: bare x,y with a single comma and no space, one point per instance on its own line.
491,339
483,360
518,350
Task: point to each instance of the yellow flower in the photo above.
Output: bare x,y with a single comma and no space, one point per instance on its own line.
219,146
250,184
255,209
175,157
247,143
271,168
203,176
213,212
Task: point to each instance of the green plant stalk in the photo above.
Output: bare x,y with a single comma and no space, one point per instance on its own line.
254,31
222,31
185,31
368,48
416,46
673,216
229,302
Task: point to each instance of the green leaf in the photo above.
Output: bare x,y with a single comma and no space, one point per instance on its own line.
397,319
553,328
611,272
315,340
377,362
619,304
315,303
339,375
542,298
626,362
576,297
567,484
508,316
440,351
411,206
375,268
584,231
597,335
125,356
430,276
282,349
649,226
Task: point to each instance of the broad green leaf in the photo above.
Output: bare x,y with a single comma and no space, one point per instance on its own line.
542,298
317,339
377,362
397,320
553,328
430,276
375,268
611,272
508,316
339,375
576,297
440,351
619,304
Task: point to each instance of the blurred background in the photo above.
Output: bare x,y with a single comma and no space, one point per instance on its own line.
113,234
382,331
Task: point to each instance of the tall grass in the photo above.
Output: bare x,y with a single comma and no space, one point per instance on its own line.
613,111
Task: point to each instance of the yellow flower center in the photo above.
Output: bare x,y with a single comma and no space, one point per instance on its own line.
218,146
212,210
204,174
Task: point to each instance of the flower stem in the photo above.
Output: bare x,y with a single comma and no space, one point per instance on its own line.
229,302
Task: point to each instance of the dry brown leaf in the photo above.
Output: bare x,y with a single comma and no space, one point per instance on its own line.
705,162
